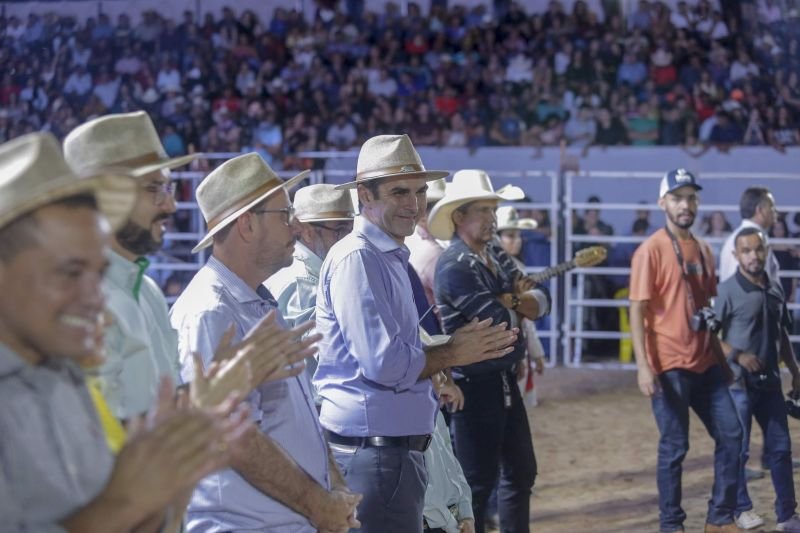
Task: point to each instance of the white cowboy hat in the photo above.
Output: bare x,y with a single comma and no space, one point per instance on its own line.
233,188
467,186
35,174
322,203
508,218
127,140
390,156
435,191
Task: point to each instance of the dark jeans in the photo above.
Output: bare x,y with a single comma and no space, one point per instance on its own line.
490,439
769,410
393,482
707,394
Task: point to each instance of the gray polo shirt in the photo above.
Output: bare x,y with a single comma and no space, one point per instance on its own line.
752,319
53,454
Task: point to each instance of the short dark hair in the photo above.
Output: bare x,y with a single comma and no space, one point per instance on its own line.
640,225
752,197
372,186
22,233
749,231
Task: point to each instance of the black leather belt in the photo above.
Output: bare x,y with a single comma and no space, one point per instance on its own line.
418,443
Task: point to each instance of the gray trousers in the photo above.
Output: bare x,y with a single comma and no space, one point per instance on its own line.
393,482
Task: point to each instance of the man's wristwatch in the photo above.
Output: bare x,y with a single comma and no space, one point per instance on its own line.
514,301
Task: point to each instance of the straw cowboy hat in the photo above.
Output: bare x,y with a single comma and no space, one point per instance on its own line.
467,186
508,218
435,191
390,156
322,203
35,174
235,187
127,140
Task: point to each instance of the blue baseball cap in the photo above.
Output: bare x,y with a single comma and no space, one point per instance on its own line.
675,179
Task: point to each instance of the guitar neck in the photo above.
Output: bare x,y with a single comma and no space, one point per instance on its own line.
553,271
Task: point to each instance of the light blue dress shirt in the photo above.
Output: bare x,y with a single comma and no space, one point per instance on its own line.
284,410
370,356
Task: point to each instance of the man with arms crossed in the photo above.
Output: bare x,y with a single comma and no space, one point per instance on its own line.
679,359
374,375
751,308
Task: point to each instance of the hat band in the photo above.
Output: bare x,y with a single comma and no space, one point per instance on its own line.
387,171
150,158
250,197
326,214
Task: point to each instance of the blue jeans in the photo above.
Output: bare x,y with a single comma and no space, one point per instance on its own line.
769,409
707,394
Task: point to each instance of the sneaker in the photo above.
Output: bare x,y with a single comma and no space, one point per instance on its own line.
790,526
749,520
751,474
726,528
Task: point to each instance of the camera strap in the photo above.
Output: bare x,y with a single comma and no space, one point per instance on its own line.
682,265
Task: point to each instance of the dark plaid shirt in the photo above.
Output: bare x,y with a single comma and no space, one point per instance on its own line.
465,288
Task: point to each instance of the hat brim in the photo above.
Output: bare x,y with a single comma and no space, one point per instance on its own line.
115,193
427,175
206,241
326,219
172,162
520,224
440,222
692,185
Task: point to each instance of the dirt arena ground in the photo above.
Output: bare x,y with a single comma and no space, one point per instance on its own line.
595,441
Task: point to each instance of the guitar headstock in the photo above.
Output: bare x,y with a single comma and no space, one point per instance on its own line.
591,256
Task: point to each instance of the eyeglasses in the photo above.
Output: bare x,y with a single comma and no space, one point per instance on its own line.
161,191
339,232
288,211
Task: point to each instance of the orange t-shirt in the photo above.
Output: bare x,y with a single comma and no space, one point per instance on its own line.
655,276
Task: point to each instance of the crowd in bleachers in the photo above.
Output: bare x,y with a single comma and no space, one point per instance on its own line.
452,76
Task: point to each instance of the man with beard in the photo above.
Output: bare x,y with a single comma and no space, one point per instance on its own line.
140,344
757,208
755,321
679,359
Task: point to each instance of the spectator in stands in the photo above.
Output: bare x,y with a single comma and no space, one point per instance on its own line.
581,130
784,132
610,130
342,134
642,125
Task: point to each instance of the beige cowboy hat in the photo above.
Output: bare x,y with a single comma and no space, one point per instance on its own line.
234,187
435,191
127,140
35,174
467,186
390,156
508,218
322,203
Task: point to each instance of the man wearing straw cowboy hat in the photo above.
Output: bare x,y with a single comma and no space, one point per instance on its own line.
284,481
58,473
475,278
323,216
373,374
140,344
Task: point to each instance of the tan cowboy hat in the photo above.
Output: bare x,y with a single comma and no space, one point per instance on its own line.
390,156
35,174
233,188
322,203
126,140
508,218
467,186
435,191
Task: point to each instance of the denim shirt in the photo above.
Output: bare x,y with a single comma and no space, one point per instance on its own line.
283,410
465,288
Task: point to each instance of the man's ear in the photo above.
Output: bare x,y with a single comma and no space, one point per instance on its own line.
661,203
457,217
364,195
244,226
